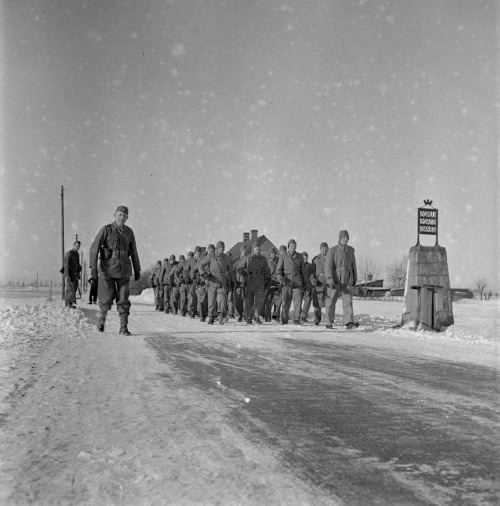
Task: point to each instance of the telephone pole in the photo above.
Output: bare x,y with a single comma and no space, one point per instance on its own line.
62,241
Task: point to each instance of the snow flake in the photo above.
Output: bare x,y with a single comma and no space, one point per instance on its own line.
178,50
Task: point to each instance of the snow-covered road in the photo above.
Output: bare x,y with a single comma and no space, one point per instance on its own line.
169,414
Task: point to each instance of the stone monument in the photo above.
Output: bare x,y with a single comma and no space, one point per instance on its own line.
427,298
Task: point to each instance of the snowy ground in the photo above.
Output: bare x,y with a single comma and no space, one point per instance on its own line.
49,353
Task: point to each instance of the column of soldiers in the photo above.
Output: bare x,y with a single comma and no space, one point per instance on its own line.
211,285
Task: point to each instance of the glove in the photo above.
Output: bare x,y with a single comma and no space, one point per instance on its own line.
137,275
93,272
314,282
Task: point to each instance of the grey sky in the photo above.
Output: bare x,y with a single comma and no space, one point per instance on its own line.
210,118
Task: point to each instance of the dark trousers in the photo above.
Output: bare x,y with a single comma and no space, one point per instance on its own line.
93,293
70,291
183,298
174,299
272,303
318,297
202,298
254,299
306,302
166,298
239,301
192,300
111,289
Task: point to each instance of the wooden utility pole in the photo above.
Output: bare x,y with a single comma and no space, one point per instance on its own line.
62,241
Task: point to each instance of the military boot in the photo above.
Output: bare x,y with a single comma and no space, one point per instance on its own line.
102,321
123,326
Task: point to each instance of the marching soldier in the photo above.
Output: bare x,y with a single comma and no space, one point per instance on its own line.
319,288
291,274
307,293
193,282
202,288
220,279
182,273
341,276
115,244
155,284
175,283
272,303
239,287
166,282
257,274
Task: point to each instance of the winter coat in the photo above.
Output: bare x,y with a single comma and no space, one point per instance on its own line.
167,273
72,267
290,269
310,271
319,265
255,269
220,269
154,275
272,264
340,266
192,263
116,249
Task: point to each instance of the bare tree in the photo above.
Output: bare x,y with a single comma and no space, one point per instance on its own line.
366,266
480,285
396,273
368,269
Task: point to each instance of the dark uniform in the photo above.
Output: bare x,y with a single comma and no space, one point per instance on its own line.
220,279
116,247
166,280
319,289
272,302
71,270
239,286
341,276
193,283
182,282
156,284
202,283
292,276
257,274
308,288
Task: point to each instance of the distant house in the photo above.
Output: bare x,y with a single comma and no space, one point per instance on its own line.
248,239
371,288
461,293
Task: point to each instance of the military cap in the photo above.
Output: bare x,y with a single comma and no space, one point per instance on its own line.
190,254
172,257
220,244
304,254
122,209
282,247
210,246
292,241
182,257
323,245
343,233
197,249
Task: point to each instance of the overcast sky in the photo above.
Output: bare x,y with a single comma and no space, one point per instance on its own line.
208,119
